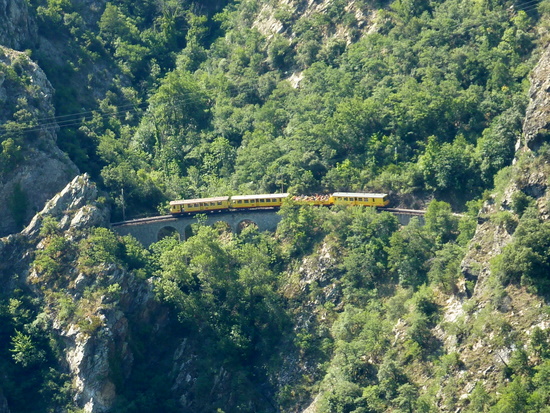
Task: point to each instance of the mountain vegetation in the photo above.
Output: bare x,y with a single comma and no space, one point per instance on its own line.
341,310
189,101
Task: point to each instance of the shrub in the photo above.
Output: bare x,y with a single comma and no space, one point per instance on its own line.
506,220
521,201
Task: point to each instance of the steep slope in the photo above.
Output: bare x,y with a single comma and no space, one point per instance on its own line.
497,315
18,29
332,313
90,314
32,167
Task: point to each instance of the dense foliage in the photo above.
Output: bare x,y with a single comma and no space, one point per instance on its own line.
176,99
194,100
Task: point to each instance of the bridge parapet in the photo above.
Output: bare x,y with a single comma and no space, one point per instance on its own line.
147,231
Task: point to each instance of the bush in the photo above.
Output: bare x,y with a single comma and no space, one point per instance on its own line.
521,201
527,258
505,220
445,267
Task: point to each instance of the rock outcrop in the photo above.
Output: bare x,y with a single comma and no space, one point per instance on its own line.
99,337
17,29
38,169
93,343
75,207
537,118
483,298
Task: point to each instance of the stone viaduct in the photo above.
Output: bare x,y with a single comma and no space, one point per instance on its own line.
148,231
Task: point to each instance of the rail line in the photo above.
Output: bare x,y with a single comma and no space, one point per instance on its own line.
147,220
415,212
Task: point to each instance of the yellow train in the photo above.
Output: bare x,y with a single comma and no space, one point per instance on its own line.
190,206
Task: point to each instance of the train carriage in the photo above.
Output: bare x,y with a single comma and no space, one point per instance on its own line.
359,198
199,205
257,201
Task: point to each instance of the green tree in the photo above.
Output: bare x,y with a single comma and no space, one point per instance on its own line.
24,351
513,398
101,247
408,254
445,268
440,222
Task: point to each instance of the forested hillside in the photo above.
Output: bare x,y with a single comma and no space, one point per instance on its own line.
169,99
340,310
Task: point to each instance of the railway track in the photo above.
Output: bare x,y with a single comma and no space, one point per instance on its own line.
147,220
415,212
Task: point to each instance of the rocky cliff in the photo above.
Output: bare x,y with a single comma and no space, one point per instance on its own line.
17,29
97,339
488,319
34,167
537,119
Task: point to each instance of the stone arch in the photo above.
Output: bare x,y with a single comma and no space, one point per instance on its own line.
222,226
167,231
245,223
188,232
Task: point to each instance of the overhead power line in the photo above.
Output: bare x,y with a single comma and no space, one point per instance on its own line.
76,119
73,119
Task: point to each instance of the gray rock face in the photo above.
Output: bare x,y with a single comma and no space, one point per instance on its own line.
537,118
42,169
90,357
17,29
73,207
89,353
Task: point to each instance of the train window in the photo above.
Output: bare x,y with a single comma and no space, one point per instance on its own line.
345,199
246,201
219,202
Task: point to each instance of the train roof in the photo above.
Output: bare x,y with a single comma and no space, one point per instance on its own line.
359,194
194,201
259,196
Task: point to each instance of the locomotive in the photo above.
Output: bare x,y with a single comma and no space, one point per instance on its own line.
242,202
